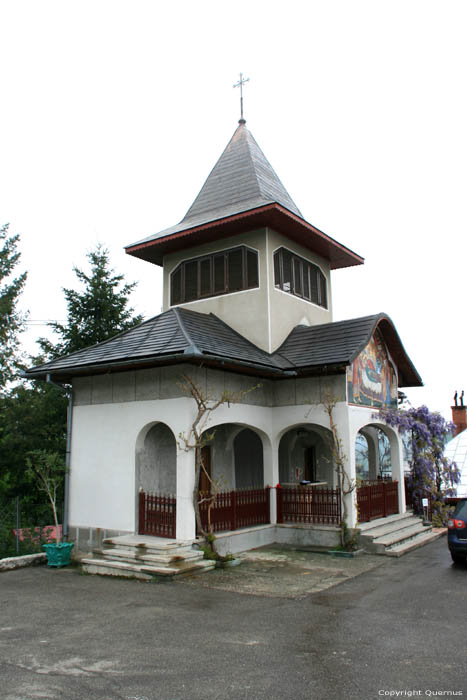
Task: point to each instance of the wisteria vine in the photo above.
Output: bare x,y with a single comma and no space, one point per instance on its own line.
431,475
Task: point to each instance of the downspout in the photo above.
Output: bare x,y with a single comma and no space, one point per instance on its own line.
69,417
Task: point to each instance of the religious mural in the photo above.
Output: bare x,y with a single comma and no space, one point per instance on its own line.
371,378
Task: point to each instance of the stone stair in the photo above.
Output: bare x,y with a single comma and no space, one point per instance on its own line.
145,558
396,535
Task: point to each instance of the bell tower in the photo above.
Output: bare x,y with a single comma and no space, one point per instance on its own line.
244,252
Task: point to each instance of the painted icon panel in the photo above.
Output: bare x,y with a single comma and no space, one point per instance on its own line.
371,378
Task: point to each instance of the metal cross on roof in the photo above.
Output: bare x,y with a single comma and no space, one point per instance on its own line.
240,84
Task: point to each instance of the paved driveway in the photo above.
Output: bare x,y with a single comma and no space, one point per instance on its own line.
396,627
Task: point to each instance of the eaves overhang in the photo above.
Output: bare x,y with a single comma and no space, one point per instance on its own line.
408,375
67,374
331,347
273,215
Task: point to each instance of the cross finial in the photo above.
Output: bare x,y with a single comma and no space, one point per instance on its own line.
240,84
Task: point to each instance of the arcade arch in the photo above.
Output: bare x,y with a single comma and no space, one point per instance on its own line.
236,456
156,459
304,454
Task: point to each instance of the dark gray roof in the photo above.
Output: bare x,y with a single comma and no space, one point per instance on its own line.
181,335
241,180
339,343
328,343
178,332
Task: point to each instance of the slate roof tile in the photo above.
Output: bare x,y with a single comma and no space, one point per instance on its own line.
327,343
242,179
181,333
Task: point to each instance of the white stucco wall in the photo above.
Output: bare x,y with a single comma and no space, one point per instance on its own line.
286,310
104,443
107,437
230,307
265,315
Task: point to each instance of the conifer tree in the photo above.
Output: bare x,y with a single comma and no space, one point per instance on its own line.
97,312
11,320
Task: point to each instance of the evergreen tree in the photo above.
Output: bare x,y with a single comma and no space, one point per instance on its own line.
96,313
11,320
33,414
32,417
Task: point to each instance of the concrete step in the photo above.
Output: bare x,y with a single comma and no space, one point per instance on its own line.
391,520
415,543
395,535
383,528
139,542
147,555
380,544
144,557
106,567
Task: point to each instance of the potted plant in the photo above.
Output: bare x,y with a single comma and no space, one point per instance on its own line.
48,471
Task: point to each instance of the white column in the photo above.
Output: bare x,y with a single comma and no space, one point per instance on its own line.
186,522
342,420
371,436
397,464
271,472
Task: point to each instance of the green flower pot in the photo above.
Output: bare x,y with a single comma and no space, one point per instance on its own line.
58,554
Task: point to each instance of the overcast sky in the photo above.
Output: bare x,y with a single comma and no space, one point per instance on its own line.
114,112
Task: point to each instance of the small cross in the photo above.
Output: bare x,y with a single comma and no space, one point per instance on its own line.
240,84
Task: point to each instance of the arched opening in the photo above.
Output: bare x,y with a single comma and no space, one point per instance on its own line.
248,459
372,454
157,461
379,471
235,457
236,496
156,481
309,492
304,455
362,457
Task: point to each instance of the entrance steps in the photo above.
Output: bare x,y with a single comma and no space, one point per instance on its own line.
145,558
396,535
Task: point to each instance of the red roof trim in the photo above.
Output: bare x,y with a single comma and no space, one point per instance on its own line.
356,259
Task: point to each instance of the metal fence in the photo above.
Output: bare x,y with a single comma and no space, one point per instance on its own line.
24,527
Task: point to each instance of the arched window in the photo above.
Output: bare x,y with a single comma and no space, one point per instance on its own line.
230,271
299,277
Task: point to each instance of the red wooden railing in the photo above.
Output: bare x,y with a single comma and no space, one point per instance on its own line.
377,499
235,509
157,515
308,505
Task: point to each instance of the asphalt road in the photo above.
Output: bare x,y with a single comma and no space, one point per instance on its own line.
398,627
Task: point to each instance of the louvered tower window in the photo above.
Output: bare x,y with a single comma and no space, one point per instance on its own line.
299,277
230,271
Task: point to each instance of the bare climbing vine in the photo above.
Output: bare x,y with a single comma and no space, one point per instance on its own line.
346,484
199,437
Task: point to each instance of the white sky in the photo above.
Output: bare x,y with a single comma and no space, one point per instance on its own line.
114,112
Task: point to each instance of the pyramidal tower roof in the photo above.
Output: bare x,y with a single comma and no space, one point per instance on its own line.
242,179
242,192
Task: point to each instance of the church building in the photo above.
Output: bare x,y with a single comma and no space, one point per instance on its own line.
247,309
